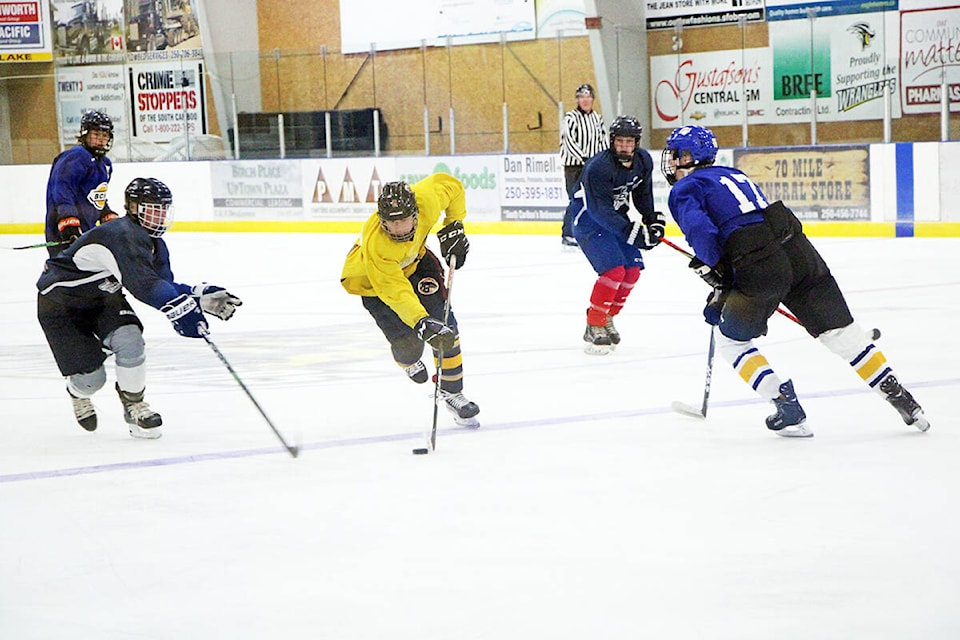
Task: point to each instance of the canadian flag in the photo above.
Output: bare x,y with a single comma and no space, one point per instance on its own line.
116,43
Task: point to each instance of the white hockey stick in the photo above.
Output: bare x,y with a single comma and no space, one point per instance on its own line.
690,410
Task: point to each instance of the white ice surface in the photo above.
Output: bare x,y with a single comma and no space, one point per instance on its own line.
583,508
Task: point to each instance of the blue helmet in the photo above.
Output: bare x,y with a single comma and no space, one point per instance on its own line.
692,146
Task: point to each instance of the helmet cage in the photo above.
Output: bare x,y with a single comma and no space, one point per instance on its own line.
625,127
155,217
95,121
698,142
397,202
150,202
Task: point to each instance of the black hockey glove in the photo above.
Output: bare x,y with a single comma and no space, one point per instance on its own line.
711,312
453,242
186,316
709,275
644,236
435,333
216,301
655,223
69,229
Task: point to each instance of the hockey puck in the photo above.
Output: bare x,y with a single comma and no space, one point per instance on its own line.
875,334
420,452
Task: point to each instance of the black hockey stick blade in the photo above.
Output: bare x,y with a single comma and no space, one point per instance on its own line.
55,243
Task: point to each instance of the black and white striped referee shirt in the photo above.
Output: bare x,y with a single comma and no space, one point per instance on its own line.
583,136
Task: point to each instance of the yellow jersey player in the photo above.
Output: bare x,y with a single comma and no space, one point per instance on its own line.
401,282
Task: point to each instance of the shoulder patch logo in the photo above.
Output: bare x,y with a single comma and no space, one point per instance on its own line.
428,286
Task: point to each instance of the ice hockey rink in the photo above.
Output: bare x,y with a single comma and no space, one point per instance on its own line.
582,508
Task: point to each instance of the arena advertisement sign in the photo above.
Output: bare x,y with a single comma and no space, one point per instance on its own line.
478,174
818,183
803,9
167,100
91,87
710,88
664,14
87,32
344,188
257,190
849,60
532,187
929,57
25,31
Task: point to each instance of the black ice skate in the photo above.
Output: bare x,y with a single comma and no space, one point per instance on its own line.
789,419
417,372
612,332
84,412
903,402
464,412
142,421
597,339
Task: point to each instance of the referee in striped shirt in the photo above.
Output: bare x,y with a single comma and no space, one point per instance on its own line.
583,136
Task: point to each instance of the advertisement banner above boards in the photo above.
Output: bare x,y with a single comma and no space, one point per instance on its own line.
479,175
664,14
344,188
98,87
801,9
532,187
929,57
823,183
564,17
849,60
257,190
25,31
167,100
87,32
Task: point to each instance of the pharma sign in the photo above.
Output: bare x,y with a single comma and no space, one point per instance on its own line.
929,57
25,31
818,183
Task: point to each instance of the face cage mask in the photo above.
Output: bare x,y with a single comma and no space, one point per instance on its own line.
102,151
406,237
155,218
668,166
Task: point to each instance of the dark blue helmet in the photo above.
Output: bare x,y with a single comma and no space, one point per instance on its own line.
688,147
150,202
625,127
94,120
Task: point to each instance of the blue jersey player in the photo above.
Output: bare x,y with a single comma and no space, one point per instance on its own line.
85,316
756,256
610,239
77,186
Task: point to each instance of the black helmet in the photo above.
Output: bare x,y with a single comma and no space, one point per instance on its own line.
150,202
625,127
95,120
396,202
585,90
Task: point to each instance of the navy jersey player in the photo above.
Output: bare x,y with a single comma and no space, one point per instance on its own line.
755,255
85,315
609,238
77,185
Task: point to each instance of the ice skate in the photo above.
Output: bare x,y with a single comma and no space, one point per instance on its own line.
789,420
597,341
142,421
417,372
903,402
84,412
569,244
464,412
612,332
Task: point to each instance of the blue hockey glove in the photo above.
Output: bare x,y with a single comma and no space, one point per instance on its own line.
715,301
216,301
186,316
453,242
435,333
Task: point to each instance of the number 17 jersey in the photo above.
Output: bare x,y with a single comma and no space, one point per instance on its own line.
711,203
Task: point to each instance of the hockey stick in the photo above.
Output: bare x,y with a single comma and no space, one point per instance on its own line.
436,388
55,243
292,450
781,311
688,410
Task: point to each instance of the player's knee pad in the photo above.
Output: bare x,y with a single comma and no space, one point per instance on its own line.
847,342
127,345
631,275
614,276
84,385
732,350
407,349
